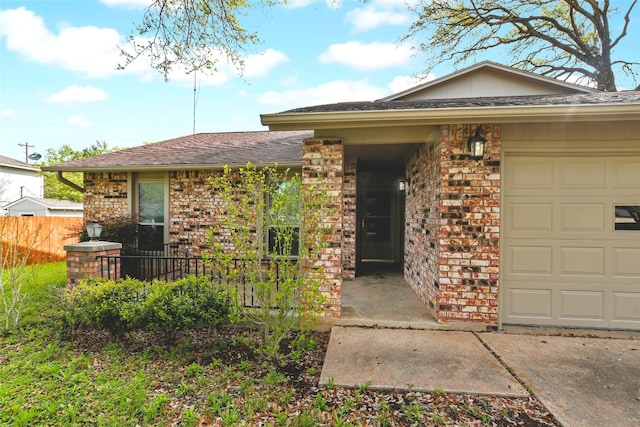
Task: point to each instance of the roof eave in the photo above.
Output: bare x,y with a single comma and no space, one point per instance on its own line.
436,116
25,168
156,168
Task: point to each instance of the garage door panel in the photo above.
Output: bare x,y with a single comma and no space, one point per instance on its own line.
531,260
530,217
530,303
626,306
626,262
582,174
528,174
577,304
626,173
581,261
582,218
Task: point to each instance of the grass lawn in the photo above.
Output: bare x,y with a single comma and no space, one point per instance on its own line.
49,377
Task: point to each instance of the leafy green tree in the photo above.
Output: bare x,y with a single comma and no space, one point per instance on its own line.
564,39
263,244
54,189
195,34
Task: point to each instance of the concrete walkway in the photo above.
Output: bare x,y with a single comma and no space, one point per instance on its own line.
421,360
583,381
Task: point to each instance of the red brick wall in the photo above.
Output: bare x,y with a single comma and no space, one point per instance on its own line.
105,195
82,261
322,166
452,229
349,222
422,225
192,208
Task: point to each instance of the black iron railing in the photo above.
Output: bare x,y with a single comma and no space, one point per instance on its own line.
149,267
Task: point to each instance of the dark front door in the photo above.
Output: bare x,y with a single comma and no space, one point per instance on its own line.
377,230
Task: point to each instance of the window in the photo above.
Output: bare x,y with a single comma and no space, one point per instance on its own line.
627,218
283,219
151,208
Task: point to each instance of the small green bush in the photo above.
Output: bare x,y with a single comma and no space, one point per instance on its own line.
121,306
186,303
105,304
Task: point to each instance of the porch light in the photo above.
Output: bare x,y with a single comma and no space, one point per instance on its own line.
93,230
402,185
475,144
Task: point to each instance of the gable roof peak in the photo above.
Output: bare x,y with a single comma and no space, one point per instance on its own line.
528,81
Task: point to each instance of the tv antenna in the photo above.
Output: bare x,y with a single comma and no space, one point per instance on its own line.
195,98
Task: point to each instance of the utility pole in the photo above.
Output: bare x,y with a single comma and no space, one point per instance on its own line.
26,151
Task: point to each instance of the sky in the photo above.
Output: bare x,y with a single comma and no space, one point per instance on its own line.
59,82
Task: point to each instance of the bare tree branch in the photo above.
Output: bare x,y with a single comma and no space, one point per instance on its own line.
568,39
194,34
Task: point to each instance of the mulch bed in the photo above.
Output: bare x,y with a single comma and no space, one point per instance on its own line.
327,406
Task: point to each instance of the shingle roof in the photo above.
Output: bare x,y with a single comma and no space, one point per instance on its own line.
595,98
8,161
54,204
200,150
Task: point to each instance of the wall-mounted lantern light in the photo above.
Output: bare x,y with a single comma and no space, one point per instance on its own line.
402,185
93,230
475,144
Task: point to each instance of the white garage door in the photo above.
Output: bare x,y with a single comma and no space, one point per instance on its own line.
570,252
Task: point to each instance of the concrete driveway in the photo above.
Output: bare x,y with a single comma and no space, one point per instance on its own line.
583,381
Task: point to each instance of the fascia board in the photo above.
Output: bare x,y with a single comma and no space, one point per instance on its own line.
34,169
503,114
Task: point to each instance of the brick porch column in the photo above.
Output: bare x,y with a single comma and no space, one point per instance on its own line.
469,232
82,261
322,166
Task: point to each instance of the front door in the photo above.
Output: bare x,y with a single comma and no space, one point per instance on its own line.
377,230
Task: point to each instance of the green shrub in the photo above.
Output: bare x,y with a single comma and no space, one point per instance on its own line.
105,304
186,303
132,304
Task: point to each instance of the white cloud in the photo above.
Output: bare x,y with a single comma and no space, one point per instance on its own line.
373,16
87,50
372,56
78,122
295,4
261,64
94,52
78,94
128,4
257,65
8,113
335,91
400,83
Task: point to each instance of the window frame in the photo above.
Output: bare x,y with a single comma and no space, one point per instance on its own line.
141,178
623,222
293,221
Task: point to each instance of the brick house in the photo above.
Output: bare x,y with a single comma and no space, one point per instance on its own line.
541,230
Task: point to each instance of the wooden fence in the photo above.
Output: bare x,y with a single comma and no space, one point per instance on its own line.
47,243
